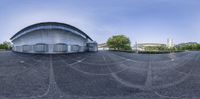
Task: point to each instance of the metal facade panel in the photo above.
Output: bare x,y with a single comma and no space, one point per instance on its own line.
27,48
50,26
41,48
82,49
92,47
50,38
60,48
18,48
75,48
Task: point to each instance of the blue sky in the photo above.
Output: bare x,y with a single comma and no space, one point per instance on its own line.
141,20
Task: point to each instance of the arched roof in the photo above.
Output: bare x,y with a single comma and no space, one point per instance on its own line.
50,24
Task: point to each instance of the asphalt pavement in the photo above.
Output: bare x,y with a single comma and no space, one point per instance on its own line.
100,75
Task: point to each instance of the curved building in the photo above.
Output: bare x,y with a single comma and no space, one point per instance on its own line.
52,37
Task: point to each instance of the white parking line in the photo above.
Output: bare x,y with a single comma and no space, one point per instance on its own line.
123,82
128,84
169,97
90,73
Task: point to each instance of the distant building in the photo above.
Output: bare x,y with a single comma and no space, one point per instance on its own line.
170,43
52,37
141,46
103,46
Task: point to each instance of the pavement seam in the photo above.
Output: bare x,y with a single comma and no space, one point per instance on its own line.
89,73
52,83
49,86
179,81
148,83
144,62
121,81
186,76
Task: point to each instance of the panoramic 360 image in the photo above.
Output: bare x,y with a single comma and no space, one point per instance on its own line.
99,49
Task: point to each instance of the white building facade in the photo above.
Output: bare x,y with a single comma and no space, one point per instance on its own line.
52,37
170,43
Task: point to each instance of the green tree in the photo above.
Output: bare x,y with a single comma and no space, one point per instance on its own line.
119,42
191,47
5,45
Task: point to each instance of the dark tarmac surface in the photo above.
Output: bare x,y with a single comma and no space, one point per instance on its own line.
101,75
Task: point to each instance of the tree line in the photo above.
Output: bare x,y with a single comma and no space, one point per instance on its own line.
190,47
123,43
5,46
119,42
